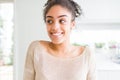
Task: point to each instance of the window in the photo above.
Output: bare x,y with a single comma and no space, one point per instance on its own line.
105,43
6,41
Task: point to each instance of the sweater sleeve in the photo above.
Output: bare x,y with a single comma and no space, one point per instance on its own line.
29,71
92,66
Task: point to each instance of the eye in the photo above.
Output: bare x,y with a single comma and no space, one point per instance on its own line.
62,21
49,21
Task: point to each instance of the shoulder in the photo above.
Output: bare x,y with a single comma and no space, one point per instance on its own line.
33,44
38,43
80,49
90,53
89,50
86,50
43,42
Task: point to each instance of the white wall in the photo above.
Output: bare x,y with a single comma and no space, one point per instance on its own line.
108,75
29,26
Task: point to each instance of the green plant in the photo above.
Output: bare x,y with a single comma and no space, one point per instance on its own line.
78,44
99,45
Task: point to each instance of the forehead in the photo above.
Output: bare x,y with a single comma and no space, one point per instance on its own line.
58,10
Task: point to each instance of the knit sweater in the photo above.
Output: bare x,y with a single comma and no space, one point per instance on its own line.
41,65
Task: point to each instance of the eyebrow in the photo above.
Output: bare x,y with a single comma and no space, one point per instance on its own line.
57,17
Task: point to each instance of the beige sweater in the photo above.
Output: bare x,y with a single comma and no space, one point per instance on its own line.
41,65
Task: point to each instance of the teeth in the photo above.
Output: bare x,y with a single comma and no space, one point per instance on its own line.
56,34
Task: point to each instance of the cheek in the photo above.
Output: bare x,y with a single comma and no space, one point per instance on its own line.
67,29
48,30
47,27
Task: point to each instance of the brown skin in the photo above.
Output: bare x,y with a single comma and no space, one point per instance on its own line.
59,25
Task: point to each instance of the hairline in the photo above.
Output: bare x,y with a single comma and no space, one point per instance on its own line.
63,7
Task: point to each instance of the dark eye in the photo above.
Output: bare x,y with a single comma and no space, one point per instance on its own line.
49,21
62,21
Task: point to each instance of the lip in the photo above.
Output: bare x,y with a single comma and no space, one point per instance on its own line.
56,34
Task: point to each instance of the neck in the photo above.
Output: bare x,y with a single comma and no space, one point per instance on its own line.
61,48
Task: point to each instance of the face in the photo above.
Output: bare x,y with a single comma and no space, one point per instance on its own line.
59,24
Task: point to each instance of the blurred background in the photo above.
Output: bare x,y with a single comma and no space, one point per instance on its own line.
6,39
21,22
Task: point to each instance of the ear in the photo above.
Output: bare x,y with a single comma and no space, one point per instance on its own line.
72,25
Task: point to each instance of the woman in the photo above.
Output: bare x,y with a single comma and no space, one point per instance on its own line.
58,59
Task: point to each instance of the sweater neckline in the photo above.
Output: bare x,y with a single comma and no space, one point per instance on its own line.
65,59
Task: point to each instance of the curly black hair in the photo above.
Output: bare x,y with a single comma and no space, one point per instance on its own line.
72,6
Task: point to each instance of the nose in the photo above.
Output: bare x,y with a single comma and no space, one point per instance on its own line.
55,26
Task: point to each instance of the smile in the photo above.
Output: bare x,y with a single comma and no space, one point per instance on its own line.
58,34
